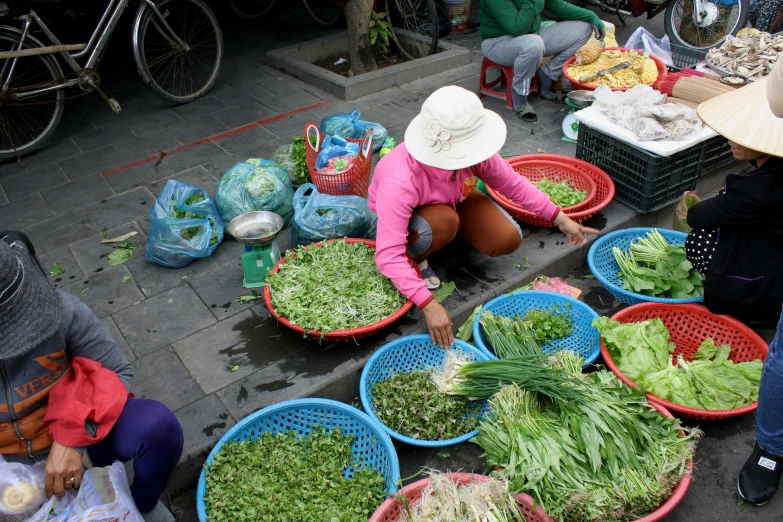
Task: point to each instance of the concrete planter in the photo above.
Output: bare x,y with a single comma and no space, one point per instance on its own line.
298,61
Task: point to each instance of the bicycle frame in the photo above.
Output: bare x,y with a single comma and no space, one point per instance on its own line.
94,47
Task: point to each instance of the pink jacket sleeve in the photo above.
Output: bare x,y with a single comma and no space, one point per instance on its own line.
498,174
394,206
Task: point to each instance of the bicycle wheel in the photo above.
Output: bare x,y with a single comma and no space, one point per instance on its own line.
252,10
176,74
26,124
719,20
324,12
415,26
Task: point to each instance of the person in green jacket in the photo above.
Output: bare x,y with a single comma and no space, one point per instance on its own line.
512,35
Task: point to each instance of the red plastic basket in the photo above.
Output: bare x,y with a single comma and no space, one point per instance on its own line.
391,509
340,335
353,181
604,188
662,71
689,325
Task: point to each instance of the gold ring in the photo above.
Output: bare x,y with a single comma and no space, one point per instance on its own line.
70,481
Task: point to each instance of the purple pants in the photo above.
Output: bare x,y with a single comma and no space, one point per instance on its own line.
150,434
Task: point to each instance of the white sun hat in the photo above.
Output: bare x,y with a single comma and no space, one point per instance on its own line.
454,130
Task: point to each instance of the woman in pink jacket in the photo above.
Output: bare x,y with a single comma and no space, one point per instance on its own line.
423,193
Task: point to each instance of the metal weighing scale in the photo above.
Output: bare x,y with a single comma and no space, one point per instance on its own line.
577,100
257,232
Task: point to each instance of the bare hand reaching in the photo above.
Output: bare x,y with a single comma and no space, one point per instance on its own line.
439,323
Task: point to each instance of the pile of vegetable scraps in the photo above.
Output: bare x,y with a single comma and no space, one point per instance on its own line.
710,381
289,478
336,286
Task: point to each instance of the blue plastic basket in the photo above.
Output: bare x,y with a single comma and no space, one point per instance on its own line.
604,267
415,352
584,340
371,445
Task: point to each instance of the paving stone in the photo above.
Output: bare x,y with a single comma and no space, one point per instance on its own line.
146,123
198,176
220,288
77,193
23,185
23,212
231,96
102,137
162,377
190,157
92,255
389,115
127,206
201,107
433,82
97,161
3,197
154,279
203,423
251,340
50,153
64,258
145,146
144,224
273,101
250,112
59,231
258,142
552,143
147,102
111,326
104,116
138,175
104,292
163,319
218,166
228,253
69,127
291,125
339,106
197,129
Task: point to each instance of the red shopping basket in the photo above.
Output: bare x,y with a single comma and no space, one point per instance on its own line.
353,181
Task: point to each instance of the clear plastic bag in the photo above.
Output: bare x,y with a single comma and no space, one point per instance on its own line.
350,126
332,147
256,184
643,40
680,216
22,487
184,226
648,129
284,156
680,129
623,116
319,216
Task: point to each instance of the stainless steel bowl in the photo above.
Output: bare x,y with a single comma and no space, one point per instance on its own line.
255,228
582,98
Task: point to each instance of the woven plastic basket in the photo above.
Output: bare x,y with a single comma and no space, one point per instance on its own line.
392,508
663,70
371,445
525,165
584,340
353,181
415,352
350,334
689,325
604,267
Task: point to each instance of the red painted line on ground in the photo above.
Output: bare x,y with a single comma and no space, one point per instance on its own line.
225,134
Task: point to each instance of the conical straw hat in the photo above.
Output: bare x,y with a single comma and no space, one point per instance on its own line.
744,117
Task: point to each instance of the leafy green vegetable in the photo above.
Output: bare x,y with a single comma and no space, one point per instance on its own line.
410,404
286,477
332,287
252,296
508,337
260,184
299,157
445,291
126,279
548,325
654,267
711,381
465,332
191,232
562,194
118,257
56,270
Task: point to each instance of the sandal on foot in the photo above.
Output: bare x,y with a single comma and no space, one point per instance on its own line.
429,276
527,113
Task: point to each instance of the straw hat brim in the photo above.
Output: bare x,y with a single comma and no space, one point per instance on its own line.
463,154
744,117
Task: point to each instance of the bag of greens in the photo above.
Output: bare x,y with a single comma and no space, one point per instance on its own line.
256,184
680,217
293,158
350,126
318,217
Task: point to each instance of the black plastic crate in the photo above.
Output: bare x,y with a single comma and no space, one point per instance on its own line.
643,181
685,56
717,153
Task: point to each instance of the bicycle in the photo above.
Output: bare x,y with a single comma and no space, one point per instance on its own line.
177,48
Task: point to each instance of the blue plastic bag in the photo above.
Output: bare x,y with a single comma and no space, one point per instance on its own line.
332,147
318,217
256,184
350,126
184,226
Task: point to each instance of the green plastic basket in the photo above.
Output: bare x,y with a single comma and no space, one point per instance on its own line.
685,56
717,153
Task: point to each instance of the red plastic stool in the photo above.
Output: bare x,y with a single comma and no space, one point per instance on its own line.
504,80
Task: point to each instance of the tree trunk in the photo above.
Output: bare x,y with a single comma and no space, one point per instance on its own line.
358,14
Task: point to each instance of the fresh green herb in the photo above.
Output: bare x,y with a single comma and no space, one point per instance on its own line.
287,477
126,279
465,332
518,266
548,325
232,369
191,232
654,267
332,287
445,291
118,257
509,337
56,270
562,194
252,296
128,244
410,404
380,31
299,157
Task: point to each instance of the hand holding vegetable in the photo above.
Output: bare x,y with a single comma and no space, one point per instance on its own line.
574,231
439,323
63,464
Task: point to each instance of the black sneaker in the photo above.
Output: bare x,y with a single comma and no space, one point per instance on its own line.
758,480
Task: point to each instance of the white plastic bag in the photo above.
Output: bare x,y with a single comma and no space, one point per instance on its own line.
104,496
22,487
643,40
